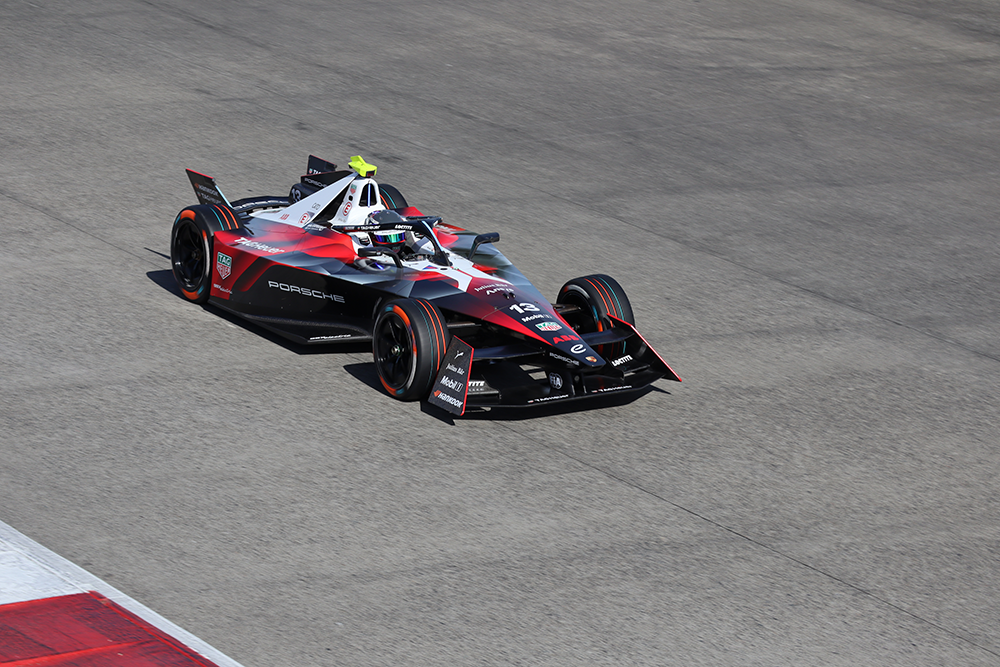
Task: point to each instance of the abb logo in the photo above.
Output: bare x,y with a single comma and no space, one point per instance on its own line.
563,339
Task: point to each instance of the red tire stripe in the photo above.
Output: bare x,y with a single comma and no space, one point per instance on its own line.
435,338
608,308
609,302
437,332
227,215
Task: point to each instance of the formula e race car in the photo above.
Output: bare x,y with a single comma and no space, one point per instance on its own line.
343,258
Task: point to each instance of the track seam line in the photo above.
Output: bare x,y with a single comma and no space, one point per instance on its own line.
52,216
881,600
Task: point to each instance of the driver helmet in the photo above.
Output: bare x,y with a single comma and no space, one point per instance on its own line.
386,238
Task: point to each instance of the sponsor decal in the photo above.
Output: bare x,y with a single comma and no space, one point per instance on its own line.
347,207
603,390
621,360
284,217
539,316
256,245
592,360
448,398
548,326
565,338
222,289
555,380
224,265
450,386
567,360
209,194
305,217
305,291
548,398
354,188
492,286
577,349
338,336
478,386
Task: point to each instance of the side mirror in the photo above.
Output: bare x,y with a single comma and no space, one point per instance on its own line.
489,237
375,251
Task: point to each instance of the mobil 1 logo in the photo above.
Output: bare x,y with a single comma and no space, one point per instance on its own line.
452,384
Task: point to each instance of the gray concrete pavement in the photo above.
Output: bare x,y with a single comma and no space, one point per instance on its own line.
800,198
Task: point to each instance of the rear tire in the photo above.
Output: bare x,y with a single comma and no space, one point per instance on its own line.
391,197
191,255
409,341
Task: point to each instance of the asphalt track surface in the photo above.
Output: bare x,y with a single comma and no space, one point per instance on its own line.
800,197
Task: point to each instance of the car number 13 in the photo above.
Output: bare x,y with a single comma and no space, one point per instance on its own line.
525,308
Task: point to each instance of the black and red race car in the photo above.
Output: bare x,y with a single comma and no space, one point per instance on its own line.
343,258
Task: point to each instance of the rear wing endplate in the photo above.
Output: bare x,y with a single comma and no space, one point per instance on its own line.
206,189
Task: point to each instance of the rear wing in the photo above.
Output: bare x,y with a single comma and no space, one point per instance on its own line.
206,189
319,165
321,173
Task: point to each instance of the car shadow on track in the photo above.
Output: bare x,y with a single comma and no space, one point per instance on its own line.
520,414
367,374
165,279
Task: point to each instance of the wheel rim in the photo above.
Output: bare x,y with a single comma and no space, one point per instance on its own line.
394,350
587,317
189,255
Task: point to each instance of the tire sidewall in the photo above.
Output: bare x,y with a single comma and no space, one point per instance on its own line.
391,197
602,296
198,290
428,338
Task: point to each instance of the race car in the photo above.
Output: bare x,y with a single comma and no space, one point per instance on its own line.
343,258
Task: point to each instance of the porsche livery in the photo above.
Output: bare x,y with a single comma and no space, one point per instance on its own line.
343,258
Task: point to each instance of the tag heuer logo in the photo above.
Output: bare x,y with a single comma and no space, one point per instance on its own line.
548,326
224,265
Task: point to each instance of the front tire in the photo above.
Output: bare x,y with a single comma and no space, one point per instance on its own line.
598,297
191,255
409,341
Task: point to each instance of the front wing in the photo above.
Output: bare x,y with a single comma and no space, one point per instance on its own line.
518,374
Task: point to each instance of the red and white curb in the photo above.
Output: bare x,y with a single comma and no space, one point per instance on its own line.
56,614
